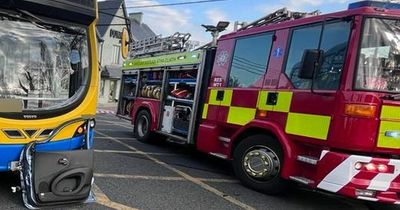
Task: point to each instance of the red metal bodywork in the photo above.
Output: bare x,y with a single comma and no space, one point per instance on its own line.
348,136
362,131
152,105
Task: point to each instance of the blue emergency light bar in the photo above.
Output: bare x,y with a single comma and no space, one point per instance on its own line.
379,4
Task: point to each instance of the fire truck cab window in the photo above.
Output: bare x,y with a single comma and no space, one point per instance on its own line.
250,60
379,57
333,43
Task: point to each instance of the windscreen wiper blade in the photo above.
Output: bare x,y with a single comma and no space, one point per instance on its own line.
393,97
49,25
13,16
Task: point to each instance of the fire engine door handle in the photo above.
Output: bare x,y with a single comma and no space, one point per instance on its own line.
272,98
220,95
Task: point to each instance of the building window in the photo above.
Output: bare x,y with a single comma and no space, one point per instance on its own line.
333,43
250,60
102,83
116,54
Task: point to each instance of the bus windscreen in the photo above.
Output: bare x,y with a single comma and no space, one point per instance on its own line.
43,65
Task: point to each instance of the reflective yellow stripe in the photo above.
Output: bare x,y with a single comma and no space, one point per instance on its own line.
282,105
390,112
213,98
227,97
284,102
205,111
313,126
386,141
240,115
226,100
262,101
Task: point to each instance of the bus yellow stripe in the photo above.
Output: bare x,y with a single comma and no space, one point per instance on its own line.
240,115
313,126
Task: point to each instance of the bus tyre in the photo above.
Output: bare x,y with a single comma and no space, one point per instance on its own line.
142,128
257,162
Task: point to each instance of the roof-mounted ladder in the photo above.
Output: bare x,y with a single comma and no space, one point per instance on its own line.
278,17
158,45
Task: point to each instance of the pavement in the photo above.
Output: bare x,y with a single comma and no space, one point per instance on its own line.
131,175
107,108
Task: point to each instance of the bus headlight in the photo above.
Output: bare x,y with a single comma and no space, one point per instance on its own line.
92,123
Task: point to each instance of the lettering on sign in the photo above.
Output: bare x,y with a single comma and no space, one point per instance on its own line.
115,34
217,82
30,116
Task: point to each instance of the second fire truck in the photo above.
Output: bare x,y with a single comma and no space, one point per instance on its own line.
315,100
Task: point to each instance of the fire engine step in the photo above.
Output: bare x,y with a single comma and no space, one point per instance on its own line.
302,180
224,139
218,155
307,159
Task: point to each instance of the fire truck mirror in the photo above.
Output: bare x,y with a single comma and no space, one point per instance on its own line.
310,64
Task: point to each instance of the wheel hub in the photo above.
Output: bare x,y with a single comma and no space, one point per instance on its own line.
261,163
143,126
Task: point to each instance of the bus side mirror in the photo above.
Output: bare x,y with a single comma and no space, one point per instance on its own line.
311,63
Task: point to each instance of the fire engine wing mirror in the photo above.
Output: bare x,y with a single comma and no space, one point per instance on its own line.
310,64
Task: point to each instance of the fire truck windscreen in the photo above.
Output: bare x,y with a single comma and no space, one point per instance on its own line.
379,56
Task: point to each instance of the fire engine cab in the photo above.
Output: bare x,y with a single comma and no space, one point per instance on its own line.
299,97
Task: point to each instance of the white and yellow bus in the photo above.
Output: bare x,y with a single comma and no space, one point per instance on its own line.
48,93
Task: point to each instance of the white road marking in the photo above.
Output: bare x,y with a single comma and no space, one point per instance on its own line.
106,129
163,178
186,176
102,199
113,123
121,138
136,152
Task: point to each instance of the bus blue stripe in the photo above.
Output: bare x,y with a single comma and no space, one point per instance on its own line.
11,152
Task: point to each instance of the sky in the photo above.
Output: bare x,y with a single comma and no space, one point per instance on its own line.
188,18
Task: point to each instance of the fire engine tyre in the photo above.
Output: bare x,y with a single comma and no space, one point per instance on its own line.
257,162
142,127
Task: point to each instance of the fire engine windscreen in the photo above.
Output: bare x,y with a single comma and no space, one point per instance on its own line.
43,65
379,59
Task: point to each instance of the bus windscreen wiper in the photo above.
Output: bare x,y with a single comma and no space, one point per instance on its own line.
49,25
12,16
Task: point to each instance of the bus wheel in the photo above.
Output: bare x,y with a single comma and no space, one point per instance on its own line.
142,126
257,162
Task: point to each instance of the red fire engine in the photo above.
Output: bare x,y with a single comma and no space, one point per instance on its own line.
314,100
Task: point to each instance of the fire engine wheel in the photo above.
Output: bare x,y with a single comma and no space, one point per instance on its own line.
142,126
257,163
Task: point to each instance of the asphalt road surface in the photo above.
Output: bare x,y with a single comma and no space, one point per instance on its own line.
132,175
